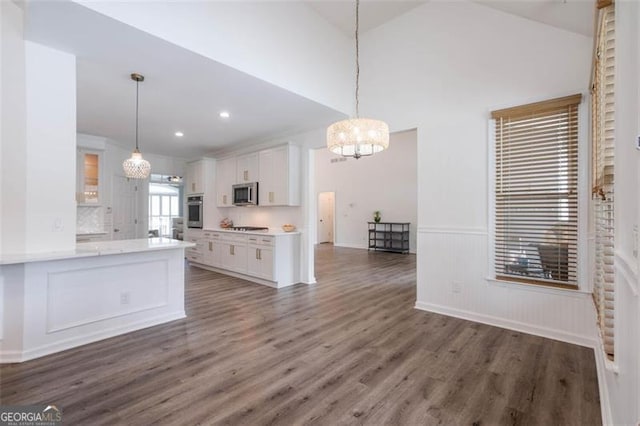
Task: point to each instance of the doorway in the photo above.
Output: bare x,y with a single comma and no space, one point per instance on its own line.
124,208
326,217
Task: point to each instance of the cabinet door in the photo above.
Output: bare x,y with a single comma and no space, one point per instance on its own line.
279,176
88,172
247,168
260,262
240,258
225,179
195,178
266,263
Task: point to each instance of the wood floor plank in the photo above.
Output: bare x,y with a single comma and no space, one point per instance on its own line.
349,350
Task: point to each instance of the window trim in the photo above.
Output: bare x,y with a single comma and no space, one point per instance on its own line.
583,275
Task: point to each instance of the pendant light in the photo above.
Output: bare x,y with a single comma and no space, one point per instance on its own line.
357,137
136,167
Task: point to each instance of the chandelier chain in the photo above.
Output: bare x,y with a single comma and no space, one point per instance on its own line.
357,59
137,96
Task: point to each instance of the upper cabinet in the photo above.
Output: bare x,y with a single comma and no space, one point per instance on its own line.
195,179
225,179
88,176
279,183
248,168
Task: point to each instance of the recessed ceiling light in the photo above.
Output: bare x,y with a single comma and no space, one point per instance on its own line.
179,134
225,114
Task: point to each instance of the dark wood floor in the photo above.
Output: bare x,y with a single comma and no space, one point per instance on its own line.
349,350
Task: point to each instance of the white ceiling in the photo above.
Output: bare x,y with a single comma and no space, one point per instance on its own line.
182,91
571,15
185,92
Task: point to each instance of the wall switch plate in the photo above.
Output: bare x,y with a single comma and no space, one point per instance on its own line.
456,286
125,298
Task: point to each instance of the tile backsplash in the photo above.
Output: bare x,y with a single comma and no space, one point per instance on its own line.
90,219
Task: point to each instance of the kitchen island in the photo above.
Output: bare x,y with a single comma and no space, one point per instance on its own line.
54,301
269,257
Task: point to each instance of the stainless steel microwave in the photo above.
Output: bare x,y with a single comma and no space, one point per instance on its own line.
245,194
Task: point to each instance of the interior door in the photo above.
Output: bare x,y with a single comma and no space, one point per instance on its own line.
326,206
124,208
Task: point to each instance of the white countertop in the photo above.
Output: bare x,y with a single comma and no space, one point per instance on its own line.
271,231
99,248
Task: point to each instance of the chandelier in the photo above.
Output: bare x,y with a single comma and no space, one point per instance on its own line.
357,137
136,167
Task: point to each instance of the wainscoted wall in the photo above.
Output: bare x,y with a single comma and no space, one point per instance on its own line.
618,380
453,262
56,305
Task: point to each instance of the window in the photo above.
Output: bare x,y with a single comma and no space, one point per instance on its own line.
164,205
536,192
602,167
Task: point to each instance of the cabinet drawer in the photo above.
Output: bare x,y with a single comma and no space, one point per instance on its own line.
261,240
234,238
194,257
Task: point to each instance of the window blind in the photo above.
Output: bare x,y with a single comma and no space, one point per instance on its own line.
536,192
603,142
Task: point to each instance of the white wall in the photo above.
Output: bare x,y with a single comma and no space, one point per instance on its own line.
622,394
51,149
13,131
284,43
386,182
441,69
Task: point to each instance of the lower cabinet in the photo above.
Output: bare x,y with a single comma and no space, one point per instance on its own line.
266,259
260,259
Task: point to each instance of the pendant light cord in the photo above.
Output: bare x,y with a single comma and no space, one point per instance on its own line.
137,85
357,59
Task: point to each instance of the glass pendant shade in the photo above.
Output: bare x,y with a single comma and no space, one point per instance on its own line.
357,137
136,167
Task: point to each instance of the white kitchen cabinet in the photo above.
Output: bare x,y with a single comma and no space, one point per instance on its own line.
279,183
89,177
225,179
195,177
233,252
268,259
195,254
260,257
248,168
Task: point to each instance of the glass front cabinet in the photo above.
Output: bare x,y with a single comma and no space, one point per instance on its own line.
88,177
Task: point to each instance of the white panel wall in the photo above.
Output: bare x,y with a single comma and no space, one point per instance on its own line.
441,69
386,182
284,43
51,149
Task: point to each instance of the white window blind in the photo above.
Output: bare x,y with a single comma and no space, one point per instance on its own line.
603,141
536,192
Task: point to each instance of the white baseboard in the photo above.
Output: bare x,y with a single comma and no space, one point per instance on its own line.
353,246
576,339
17,356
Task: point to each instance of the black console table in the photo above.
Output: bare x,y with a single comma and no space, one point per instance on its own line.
389,236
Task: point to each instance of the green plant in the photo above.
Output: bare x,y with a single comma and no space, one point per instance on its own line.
376,216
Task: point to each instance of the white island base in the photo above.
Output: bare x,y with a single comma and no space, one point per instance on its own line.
55,301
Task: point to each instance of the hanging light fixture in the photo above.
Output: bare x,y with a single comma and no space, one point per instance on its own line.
357,137
136,167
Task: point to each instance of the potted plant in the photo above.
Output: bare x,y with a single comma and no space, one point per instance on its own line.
376,216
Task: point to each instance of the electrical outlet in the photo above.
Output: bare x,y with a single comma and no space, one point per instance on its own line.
456,286
125,298
58,225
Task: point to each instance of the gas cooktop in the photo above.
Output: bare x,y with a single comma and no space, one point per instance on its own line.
249,228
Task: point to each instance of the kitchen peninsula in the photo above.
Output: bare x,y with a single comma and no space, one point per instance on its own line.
59,300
